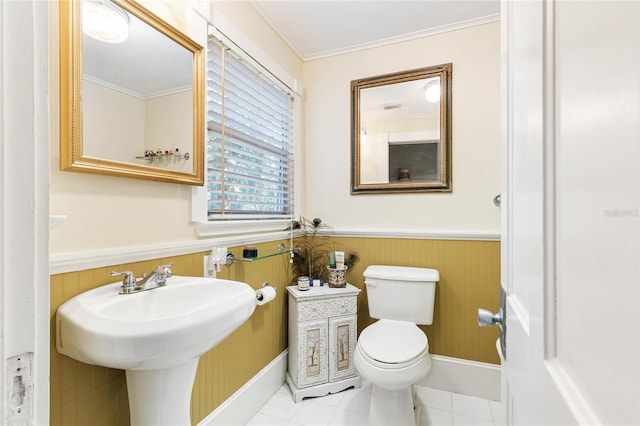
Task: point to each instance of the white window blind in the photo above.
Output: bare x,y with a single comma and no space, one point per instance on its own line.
249,140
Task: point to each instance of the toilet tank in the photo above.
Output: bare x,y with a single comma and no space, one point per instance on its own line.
401,293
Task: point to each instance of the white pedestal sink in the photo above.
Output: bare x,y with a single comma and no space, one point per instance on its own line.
157,336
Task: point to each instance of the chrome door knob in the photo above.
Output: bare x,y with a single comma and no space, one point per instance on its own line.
487,318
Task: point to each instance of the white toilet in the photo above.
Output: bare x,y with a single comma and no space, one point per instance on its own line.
393,353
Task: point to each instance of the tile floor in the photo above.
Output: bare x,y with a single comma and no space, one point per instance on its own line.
350,407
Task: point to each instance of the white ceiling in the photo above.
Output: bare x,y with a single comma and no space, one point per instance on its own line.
320,28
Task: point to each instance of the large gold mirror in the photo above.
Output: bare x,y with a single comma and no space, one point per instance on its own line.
401,132
132,108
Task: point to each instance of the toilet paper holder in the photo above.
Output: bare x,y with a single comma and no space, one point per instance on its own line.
259,295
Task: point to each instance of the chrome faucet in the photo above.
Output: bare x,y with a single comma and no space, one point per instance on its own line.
131,284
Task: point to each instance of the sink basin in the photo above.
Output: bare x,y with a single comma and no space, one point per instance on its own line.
153,329
157,336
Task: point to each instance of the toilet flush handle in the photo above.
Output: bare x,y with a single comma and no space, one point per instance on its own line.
371,283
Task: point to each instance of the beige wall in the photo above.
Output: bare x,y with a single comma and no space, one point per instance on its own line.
120,126
475,54
257,30
169,125
113,123
108,212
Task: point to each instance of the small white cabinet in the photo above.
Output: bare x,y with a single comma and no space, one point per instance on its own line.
322,340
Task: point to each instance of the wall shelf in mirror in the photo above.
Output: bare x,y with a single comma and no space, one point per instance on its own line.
164,156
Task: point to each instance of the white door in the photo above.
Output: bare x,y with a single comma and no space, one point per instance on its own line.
24,213
571,212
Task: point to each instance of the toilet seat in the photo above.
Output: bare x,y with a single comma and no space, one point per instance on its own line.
391,344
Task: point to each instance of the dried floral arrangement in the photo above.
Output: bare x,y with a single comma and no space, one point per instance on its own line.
314,245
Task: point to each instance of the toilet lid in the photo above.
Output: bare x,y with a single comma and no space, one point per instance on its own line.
393,342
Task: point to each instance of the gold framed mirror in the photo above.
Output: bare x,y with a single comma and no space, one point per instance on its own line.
133,108
401,132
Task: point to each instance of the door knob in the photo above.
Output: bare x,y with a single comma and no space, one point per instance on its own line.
487,318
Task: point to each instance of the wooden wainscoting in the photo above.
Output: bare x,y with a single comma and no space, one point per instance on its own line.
469,279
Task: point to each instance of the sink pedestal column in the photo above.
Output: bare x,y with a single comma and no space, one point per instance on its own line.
161,397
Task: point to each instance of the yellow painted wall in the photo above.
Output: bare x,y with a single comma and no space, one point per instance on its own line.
469,278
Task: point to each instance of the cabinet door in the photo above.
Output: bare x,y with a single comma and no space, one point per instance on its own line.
342,344
312,350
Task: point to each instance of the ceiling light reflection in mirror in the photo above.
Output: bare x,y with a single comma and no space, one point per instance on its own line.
104,21
432,91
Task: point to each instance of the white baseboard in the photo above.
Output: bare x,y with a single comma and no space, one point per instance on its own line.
466,377
240,407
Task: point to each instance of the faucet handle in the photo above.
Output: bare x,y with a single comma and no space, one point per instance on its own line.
128,280
165,270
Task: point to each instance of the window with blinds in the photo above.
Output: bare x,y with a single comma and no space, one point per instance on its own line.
249,139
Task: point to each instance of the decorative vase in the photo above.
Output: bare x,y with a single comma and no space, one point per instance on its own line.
337,277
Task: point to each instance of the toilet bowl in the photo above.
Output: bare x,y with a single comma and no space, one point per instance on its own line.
393,353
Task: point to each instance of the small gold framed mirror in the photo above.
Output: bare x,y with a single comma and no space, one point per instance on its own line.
401,132
132,107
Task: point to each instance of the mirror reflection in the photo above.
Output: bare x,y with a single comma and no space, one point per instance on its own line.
137,98
401,132
135,108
